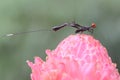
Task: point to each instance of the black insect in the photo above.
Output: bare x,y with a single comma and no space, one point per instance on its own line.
79,28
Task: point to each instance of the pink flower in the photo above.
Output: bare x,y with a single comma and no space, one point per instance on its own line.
78,57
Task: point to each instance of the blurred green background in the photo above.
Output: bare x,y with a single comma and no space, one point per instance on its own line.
27,15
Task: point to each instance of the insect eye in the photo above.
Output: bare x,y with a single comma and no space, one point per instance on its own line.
93,25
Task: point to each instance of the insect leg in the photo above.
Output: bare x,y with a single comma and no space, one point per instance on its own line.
75,25
79,30
90,30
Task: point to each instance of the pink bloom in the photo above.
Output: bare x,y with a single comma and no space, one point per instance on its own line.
78,57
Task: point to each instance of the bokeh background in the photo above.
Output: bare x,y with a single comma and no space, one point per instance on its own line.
27,15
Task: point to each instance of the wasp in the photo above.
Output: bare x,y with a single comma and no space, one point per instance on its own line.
79,28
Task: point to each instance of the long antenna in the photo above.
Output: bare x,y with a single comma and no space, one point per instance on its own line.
19,33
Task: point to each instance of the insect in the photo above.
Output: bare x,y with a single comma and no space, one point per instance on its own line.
79,28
